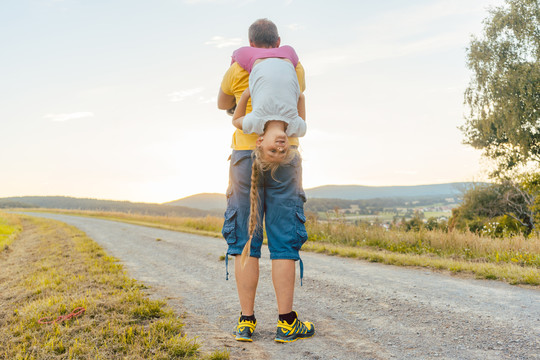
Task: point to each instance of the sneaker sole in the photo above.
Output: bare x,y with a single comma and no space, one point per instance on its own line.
243,339
293,340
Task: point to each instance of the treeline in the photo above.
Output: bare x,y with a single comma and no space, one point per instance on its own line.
70,203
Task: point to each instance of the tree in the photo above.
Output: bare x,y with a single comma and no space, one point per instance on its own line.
504,93
509,204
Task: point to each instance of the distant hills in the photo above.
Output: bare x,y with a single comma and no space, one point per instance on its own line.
199,205
71,203
359,192
215,201
203,201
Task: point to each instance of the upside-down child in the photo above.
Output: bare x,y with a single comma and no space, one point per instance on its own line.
278,106
278,111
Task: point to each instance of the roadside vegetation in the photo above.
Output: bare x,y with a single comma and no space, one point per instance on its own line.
514,258
49,270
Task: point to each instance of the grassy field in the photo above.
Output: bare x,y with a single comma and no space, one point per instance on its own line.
515,260
49,269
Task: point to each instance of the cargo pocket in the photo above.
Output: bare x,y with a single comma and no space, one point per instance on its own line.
229,226
301,233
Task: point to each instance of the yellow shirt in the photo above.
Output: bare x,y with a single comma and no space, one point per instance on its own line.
235,81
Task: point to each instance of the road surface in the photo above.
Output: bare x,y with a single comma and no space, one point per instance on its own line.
361,310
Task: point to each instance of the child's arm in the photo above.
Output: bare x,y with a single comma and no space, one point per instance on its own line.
240,111
302,106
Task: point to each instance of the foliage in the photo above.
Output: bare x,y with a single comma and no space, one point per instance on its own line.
531,184
504,93
507,204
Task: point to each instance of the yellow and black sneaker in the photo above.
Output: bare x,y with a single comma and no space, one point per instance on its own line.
245,329
291,332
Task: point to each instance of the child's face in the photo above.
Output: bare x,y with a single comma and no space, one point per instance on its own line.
274,143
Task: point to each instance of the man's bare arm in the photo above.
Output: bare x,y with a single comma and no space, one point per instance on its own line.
225,101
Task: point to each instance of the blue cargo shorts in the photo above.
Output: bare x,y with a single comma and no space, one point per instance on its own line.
281,204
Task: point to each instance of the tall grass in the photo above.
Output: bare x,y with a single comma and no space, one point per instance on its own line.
456,245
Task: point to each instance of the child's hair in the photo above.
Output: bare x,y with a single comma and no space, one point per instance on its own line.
258,167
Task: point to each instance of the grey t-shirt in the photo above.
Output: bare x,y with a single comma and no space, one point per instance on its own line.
274,89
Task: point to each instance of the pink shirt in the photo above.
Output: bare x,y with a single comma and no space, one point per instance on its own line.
247,55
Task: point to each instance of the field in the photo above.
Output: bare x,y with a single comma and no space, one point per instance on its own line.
515,260
48,270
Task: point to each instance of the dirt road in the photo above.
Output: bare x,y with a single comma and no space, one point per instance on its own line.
360,310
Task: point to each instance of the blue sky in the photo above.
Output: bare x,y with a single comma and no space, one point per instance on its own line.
116,99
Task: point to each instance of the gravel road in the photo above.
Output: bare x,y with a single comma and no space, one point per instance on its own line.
360,310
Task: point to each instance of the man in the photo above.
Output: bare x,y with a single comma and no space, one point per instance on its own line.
281,200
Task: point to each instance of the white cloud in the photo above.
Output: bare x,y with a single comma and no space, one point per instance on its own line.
296,27
221,42
412,31
204,100
70,116
181,95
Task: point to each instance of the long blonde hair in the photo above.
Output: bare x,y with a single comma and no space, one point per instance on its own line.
258,167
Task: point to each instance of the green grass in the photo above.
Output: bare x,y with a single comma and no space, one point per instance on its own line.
53,268
9,229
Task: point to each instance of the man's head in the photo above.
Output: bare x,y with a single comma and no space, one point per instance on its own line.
263,34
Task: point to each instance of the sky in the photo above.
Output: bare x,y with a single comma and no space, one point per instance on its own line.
116,99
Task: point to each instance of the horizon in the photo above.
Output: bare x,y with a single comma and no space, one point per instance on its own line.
223,194
114,101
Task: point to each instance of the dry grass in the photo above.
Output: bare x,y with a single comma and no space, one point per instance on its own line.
51,269
455,245
511,273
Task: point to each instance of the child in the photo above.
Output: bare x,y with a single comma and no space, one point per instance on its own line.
278,105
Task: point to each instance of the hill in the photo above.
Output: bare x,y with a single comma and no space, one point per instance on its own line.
329,196
359,192
71,203
203,201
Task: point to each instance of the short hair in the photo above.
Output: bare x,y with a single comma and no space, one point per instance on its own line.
263,33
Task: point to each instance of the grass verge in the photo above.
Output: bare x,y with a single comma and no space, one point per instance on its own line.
511,273
52,269
515,260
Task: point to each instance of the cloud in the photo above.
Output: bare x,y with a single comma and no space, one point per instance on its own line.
416,30
181,95
70,116
211,100
221,42
296,27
